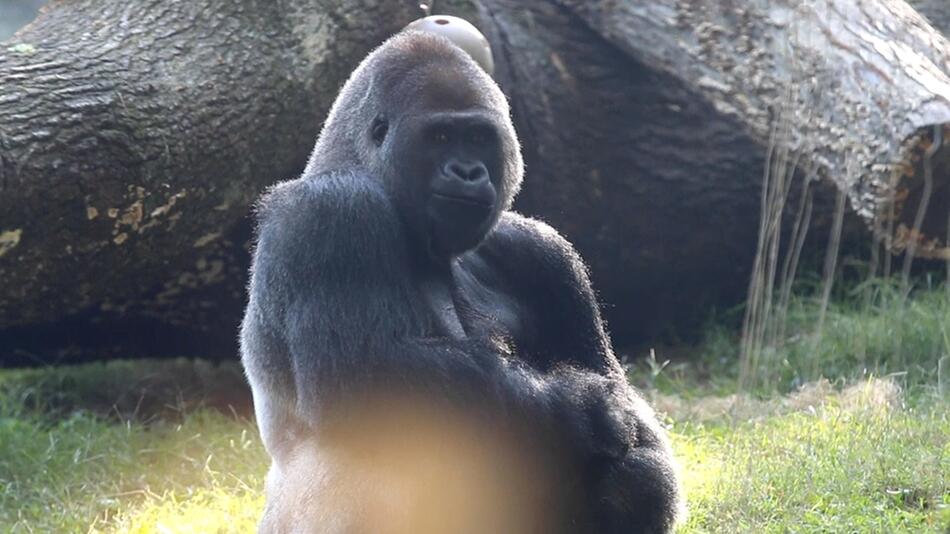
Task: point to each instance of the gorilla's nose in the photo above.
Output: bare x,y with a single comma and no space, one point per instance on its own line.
467,171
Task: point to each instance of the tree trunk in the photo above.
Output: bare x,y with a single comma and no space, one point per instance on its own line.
135,135
864,85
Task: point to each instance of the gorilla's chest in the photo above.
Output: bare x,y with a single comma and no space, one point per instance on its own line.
487,310
474,302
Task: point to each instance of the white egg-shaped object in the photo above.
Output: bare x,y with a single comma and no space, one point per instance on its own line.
462,33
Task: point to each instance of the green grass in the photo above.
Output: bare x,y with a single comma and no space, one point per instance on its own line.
160,459
152,446
84,473
870,330
830,468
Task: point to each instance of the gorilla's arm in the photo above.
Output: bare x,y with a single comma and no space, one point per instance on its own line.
637,492
550,275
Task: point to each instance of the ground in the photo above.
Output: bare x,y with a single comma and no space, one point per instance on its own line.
170,447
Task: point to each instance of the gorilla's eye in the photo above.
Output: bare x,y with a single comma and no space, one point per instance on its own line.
479,136
440,136
379,129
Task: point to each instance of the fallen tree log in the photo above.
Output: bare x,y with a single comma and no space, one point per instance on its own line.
134,135
863,84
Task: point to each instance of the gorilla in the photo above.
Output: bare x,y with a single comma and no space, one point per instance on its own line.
422,358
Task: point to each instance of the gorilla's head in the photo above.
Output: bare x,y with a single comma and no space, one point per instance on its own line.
422,117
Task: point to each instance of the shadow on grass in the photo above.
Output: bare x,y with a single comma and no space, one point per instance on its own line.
135,390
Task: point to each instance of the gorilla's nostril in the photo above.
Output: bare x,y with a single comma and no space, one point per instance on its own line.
476,173
468,172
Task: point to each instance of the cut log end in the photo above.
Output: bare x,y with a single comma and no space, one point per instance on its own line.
917,220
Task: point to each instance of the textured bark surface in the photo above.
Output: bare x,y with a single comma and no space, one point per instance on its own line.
135,135
862,85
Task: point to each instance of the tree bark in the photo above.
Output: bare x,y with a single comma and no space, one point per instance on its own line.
135,135
863,85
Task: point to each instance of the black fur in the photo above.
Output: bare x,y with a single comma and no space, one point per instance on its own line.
364,285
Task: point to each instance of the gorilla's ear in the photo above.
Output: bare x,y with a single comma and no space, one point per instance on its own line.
379,129
462,34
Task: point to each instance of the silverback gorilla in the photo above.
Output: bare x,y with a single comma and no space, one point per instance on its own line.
422,358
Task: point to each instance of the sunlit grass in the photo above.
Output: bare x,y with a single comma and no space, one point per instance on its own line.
204,511
826,464
853,453
828,468
85,473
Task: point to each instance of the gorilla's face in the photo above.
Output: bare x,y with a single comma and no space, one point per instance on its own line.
454,160
446,167
422,118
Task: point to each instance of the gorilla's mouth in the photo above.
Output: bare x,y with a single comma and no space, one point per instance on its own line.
465,200
458,222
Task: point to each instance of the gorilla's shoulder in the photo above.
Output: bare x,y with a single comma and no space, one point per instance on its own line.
326,218
530,245
320,198
530,235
